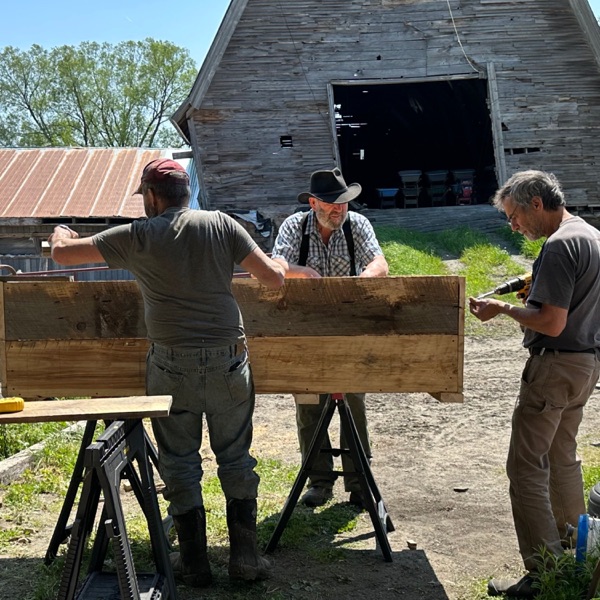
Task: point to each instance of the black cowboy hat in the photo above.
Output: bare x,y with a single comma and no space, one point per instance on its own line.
329,186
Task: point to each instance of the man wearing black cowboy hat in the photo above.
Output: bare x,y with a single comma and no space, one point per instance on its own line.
329,241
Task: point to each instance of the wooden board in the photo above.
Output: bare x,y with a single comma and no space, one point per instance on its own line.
348,334
140,407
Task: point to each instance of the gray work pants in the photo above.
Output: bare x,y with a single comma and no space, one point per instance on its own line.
216,382
307,419
546,488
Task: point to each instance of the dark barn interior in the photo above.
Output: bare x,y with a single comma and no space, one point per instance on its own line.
417,144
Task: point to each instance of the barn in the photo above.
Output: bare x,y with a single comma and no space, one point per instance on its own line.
423,102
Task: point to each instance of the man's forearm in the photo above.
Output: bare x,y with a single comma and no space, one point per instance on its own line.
548,320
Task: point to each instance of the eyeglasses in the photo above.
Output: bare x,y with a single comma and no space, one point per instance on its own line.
511,216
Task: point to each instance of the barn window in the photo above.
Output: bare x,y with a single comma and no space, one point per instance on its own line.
286,141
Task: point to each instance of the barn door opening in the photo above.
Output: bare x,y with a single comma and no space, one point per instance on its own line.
416,144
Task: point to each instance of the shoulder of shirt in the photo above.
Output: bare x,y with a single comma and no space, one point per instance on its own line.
296,218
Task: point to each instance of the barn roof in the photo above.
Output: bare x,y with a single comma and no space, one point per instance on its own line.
73,182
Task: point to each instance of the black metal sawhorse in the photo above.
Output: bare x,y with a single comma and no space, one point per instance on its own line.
373,502
62,530
106,462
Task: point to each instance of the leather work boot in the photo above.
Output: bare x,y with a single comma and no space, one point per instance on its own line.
190,564
525,587
244,560
316,496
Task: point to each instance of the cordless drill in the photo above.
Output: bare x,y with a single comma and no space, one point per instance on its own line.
520,285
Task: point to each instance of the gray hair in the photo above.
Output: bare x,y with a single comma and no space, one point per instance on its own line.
523,186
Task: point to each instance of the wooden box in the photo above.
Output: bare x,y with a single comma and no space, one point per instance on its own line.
343,334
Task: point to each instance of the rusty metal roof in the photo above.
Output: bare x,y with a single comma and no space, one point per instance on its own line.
73,182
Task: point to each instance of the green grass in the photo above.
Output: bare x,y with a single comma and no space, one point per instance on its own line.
18,436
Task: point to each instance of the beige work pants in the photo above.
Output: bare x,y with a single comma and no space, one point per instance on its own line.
546,488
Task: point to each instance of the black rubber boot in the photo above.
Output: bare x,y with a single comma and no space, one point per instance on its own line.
190,564
244,560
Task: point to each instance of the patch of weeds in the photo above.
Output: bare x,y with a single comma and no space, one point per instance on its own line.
313,527
563,578
48,580
50,474
328,555
30,489
477,590
9,535
15,437
591,476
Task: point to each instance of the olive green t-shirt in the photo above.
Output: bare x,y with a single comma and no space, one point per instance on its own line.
183,261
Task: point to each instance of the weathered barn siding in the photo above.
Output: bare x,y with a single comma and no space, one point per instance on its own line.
268,72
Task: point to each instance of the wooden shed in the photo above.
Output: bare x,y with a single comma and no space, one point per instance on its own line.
397,93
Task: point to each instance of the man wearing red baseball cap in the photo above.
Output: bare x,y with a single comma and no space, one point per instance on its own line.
183,261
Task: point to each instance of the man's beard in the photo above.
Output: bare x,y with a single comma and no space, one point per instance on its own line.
325,220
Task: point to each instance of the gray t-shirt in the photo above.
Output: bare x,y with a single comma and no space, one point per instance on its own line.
183,261
566,274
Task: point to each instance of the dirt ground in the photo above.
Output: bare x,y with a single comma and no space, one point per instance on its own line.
440,469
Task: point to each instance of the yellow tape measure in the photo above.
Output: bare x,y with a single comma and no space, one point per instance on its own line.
14,404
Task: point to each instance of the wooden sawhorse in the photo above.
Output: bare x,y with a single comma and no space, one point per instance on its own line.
373,502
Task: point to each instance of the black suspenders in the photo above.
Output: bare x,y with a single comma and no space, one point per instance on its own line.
306,241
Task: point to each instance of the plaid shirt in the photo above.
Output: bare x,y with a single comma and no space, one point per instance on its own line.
332,260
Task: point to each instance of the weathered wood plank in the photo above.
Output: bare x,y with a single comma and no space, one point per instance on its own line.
69,368
397,334
107,310
85,310
137,407
413,363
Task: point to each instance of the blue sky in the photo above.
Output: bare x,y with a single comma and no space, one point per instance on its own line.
191,24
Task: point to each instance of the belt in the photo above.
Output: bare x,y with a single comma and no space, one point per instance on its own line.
541,351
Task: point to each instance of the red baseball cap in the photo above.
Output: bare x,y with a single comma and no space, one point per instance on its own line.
162,169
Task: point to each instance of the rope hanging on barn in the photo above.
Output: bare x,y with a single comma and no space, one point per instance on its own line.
459,41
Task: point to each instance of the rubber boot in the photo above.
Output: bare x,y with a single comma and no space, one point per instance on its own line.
190,564
244,560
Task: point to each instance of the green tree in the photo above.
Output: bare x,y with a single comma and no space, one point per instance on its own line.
93,94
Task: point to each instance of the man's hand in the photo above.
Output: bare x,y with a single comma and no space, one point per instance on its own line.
296,271
485,309
378,267
302,272
548,320
62,232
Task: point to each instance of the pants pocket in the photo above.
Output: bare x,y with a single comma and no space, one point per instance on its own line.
161,381
238,386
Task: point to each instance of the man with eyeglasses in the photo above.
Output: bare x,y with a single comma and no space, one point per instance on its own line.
561,324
